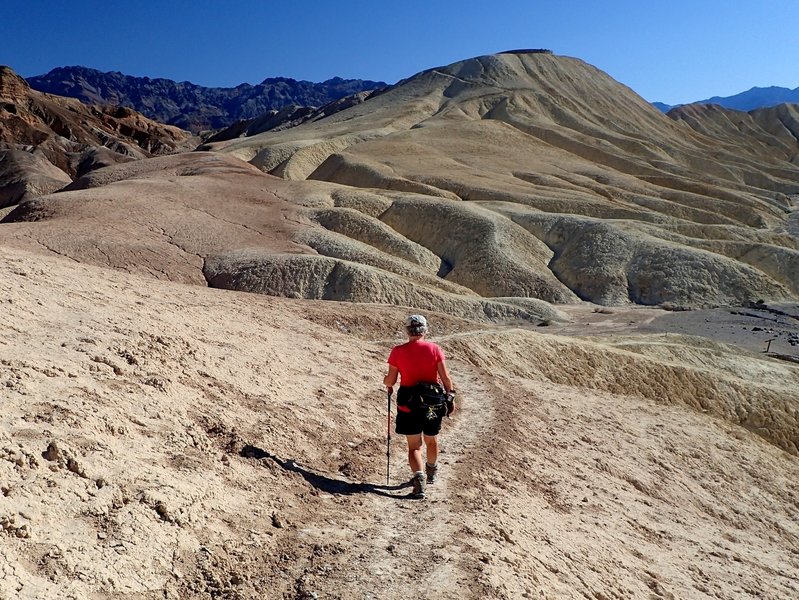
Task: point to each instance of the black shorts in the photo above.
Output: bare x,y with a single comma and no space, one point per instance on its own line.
414,418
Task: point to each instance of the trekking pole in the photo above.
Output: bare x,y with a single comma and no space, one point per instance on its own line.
388,436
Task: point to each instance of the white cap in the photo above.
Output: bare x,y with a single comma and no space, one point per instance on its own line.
416,324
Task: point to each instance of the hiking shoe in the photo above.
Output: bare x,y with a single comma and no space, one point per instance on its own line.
432,472
418,485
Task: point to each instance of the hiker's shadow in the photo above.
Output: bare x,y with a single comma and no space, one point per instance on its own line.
324,483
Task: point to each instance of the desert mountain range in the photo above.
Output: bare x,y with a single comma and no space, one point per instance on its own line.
194,340
195,107
751,99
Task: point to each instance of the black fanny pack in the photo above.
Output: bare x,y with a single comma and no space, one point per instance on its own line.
429,394
429,397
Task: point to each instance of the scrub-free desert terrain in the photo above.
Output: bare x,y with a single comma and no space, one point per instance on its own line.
193,344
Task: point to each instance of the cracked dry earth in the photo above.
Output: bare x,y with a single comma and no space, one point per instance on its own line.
160,440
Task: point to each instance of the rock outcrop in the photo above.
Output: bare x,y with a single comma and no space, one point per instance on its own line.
46,141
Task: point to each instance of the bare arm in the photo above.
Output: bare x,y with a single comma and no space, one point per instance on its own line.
444,376
391,378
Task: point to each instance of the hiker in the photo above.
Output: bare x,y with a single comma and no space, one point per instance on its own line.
420,405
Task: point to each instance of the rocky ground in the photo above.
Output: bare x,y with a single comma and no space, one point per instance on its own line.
160,440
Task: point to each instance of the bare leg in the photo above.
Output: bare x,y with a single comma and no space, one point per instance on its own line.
415,452
431,442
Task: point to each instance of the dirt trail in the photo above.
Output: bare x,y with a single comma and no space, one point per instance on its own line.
490,525
399,547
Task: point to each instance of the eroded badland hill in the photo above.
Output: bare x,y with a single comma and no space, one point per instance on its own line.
192,348
47,141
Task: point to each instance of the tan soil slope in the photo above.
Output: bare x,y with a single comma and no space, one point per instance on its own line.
550,103
161,217
775,129
212,219
46,140
159,440
543,136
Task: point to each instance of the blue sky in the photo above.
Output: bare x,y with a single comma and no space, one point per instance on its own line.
671,52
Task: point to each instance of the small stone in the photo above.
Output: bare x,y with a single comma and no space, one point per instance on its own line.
52,453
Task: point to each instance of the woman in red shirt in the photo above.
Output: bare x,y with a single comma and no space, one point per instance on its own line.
418,361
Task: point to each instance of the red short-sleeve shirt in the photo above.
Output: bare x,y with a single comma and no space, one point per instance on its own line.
417,361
